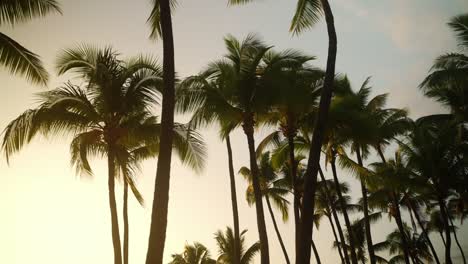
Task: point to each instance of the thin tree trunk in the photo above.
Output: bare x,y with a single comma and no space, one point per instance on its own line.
401,228
310,176
456,240
296,194
442,237
125,222
370,245
275,225
235,211
448,240
264,250
113,207
316,254
426,234
157,236
336,239
337,221
352,243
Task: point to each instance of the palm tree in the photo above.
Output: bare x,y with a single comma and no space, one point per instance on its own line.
387,189
161,21
416,245
307,14
273,189
327,203
241,97
447,82
188,145
226,241
196,254
106,117
295,95
13,55
433,153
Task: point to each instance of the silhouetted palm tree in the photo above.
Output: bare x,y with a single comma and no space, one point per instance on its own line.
108,116
273,189
225,242
13,55
196,254
307,14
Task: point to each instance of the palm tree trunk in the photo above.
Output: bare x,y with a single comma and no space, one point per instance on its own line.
424,230
235,211
125,222
316,254
249,132
113,207
296,194
157,236
456,239
401,228
336,239
448,240
280,239
370,245
310,176
442,238
352,243
337,221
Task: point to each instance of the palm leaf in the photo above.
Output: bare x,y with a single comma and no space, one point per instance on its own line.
307,13
459,24
20,60
154,20
16,11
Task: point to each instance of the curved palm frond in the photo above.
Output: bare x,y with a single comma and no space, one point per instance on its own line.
20,60
13,12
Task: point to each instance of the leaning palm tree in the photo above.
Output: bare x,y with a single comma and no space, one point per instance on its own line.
307,14
105,117
274,190
225,242
160,21
196,254
13,55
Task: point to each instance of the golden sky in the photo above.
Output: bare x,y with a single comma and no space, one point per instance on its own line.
50,215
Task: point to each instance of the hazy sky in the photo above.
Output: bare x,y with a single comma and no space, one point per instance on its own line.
50,215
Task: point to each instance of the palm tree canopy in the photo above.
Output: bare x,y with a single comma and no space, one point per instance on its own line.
225,242
193,254
16,58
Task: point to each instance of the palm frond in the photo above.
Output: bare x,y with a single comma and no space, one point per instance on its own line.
459,24
20,60
308,12
154,20
17,11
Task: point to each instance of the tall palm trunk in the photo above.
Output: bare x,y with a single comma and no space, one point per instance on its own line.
280,239
157,236
310,177
370,245
401,228
113,207
456,238
342,202
316,254
448,240
235,211
125,222
248,127
424,230
337,221
296,194
336,239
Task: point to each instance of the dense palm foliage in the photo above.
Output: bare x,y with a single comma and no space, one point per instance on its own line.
308,112
108,116
15,57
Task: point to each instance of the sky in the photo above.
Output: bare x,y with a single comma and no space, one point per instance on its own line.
51,215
